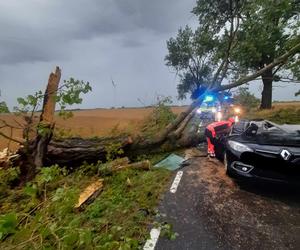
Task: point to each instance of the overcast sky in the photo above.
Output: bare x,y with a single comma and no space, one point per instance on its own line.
95,41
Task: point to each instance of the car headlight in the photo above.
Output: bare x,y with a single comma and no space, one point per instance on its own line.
239,146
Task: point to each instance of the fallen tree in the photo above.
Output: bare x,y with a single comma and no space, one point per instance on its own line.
74,151
44,150
175,134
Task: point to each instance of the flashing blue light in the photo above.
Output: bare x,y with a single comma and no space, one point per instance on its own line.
208,98
226,97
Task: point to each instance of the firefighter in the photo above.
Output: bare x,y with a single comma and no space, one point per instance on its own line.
215,130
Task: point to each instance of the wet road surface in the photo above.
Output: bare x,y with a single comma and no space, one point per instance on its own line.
211,211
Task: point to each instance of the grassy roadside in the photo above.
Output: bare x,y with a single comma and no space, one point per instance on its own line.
288,113
42,216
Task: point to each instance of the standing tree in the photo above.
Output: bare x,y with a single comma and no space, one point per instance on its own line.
201,58
267,28
191,55
234,38
3,108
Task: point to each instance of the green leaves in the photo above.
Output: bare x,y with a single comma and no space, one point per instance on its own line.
3,108
233,38
49,174
192,55
113,151
31,190
30,103
159,118
59,194
8,224
70,95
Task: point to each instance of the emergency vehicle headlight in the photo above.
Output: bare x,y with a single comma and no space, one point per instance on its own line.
199,111
208,98
237,110
239,146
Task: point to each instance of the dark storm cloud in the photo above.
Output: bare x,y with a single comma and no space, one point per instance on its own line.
40,30
93,40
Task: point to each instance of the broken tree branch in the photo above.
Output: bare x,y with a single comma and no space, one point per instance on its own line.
184,123
276,62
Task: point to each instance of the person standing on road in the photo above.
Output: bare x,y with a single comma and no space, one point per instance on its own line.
213,131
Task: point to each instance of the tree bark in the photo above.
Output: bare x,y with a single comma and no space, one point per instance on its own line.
184,123
46,119
74,151
33,157
266,95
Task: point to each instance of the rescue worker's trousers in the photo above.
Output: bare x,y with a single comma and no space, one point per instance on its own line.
209,139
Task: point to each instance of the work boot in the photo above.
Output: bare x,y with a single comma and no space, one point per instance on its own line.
211,155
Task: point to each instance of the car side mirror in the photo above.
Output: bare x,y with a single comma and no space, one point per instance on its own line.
251,130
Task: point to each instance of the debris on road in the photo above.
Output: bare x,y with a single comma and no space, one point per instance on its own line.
172,162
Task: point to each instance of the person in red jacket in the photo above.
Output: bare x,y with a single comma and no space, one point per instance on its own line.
215,130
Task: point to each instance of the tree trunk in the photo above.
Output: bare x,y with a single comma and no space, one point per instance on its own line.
46,119
266,95
33,157
74,151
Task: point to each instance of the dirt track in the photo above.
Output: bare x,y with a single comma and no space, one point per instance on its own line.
210,211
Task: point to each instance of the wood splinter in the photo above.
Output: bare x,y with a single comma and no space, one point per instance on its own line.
90,193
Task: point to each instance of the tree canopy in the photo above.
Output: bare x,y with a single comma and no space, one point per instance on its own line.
234,38
3,107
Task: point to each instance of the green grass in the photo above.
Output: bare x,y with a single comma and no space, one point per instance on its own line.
119,218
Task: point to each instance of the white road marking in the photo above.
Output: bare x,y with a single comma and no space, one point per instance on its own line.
176,181
154,235
155,232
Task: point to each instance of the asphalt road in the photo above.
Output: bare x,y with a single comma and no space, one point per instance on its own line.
211,211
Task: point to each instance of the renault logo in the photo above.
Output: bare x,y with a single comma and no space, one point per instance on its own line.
285,154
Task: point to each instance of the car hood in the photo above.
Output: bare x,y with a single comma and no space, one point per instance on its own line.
282,139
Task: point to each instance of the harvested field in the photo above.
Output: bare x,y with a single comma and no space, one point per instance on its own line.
89,123
100,122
